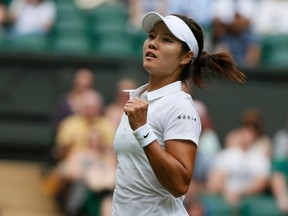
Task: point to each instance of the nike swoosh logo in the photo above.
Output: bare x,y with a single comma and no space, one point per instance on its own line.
145,136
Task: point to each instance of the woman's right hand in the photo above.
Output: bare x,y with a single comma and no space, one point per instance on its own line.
136,110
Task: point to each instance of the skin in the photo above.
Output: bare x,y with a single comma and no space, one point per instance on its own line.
164,60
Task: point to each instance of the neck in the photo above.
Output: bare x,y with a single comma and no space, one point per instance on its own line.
159,82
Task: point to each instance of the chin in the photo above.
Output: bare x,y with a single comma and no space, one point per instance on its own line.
147,66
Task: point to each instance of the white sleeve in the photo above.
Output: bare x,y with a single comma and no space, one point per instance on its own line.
261,165
182,122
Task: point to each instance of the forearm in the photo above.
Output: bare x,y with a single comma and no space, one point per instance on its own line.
258,186
170,172
278,183
216,182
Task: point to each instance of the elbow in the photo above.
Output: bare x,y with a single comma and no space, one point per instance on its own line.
180,187
179,191
177,195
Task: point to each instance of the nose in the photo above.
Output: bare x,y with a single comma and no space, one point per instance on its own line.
152,44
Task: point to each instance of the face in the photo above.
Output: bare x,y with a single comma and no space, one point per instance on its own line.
248,135
35,2
163,55
91,104
83,80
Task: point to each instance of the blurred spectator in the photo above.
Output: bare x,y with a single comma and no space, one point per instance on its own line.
261,143
238,170
114,110
70,102
31,16
73,130
279,184
90,169
209,141
209,146
280,141
138,8
279,179
232,31
88,4
225,10
272,17
200,11
73,137
3,14
67,105
238,39
91,4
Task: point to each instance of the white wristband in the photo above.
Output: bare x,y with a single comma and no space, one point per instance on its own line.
144,135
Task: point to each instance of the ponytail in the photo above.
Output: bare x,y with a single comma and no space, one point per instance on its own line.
220,64
208,65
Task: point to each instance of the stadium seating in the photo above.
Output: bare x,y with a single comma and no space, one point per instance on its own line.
275,50
262,205
35,43
77,43
109,35
102,31
259,206
216,205
2,39
70,32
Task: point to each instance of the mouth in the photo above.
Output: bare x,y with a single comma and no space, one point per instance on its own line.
150,55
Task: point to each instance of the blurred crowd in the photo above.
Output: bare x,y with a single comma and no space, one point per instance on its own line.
22,17
81,165
232,26
248,164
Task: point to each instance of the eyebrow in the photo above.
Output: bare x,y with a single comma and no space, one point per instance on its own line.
168,33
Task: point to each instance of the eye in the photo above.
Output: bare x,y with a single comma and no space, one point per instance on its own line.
150,36
166,39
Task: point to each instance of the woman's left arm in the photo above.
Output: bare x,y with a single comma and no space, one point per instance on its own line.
173,166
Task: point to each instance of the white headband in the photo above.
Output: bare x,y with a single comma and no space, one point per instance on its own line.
177,27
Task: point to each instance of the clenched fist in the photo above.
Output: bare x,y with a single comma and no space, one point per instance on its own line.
136,110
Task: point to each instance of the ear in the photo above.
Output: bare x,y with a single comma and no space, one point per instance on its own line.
187,57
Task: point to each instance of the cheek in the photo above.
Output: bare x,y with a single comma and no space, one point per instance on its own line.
145,45
170,60
173,53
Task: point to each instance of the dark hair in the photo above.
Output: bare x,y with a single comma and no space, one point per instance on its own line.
252,117
208,65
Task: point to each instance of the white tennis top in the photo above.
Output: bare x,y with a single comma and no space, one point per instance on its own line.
171,115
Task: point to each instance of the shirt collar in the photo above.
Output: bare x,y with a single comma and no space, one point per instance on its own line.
152,95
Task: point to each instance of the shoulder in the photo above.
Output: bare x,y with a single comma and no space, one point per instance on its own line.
72,120
103,121
227,157
48,3
281,132
178,106
229,152
181,101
